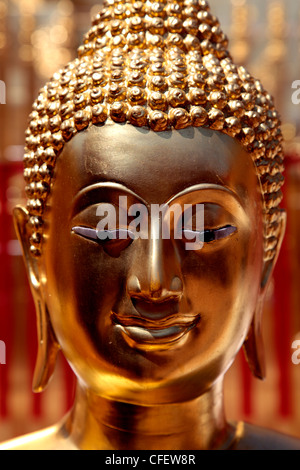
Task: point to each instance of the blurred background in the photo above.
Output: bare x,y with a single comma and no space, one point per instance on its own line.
37,37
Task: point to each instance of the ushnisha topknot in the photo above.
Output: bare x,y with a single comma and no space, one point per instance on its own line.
163,65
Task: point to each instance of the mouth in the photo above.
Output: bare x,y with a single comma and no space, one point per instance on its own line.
147,334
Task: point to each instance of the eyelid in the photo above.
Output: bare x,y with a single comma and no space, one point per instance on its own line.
93,234
224,231
219,234
111,234
86,232
221,196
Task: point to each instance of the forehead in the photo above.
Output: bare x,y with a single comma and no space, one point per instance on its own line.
154,165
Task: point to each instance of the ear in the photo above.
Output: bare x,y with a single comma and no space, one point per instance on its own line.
270,264
253,345
48,346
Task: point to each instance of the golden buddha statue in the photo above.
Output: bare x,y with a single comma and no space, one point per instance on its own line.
153,111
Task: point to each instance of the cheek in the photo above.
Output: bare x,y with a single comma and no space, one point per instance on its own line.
222,282
83,283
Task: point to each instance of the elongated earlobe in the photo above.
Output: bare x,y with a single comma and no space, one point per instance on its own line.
48,346
47,349
253,345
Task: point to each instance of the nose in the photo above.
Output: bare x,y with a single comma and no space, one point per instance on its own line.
155,282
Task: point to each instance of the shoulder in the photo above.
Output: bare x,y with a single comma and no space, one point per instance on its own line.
250,437
52,438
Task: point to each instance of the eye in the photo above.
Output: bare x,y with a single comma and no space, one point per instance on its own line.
204,223
195,240
112,241
85,232
208,236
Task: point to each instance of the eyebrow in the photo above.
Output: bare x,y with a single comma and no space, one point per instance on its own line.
206,187
83,198
94,191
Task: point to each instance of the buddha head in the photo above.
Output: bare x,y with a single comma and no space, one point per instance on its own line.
155,111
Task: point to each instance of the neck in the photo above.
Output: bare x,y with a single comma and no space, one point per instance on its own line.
98,423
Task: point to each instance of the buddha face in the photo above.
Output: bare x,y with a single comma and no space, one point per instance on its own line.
147,320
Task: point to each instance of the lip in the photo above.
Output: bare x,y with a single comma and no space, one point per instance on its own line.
146,334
